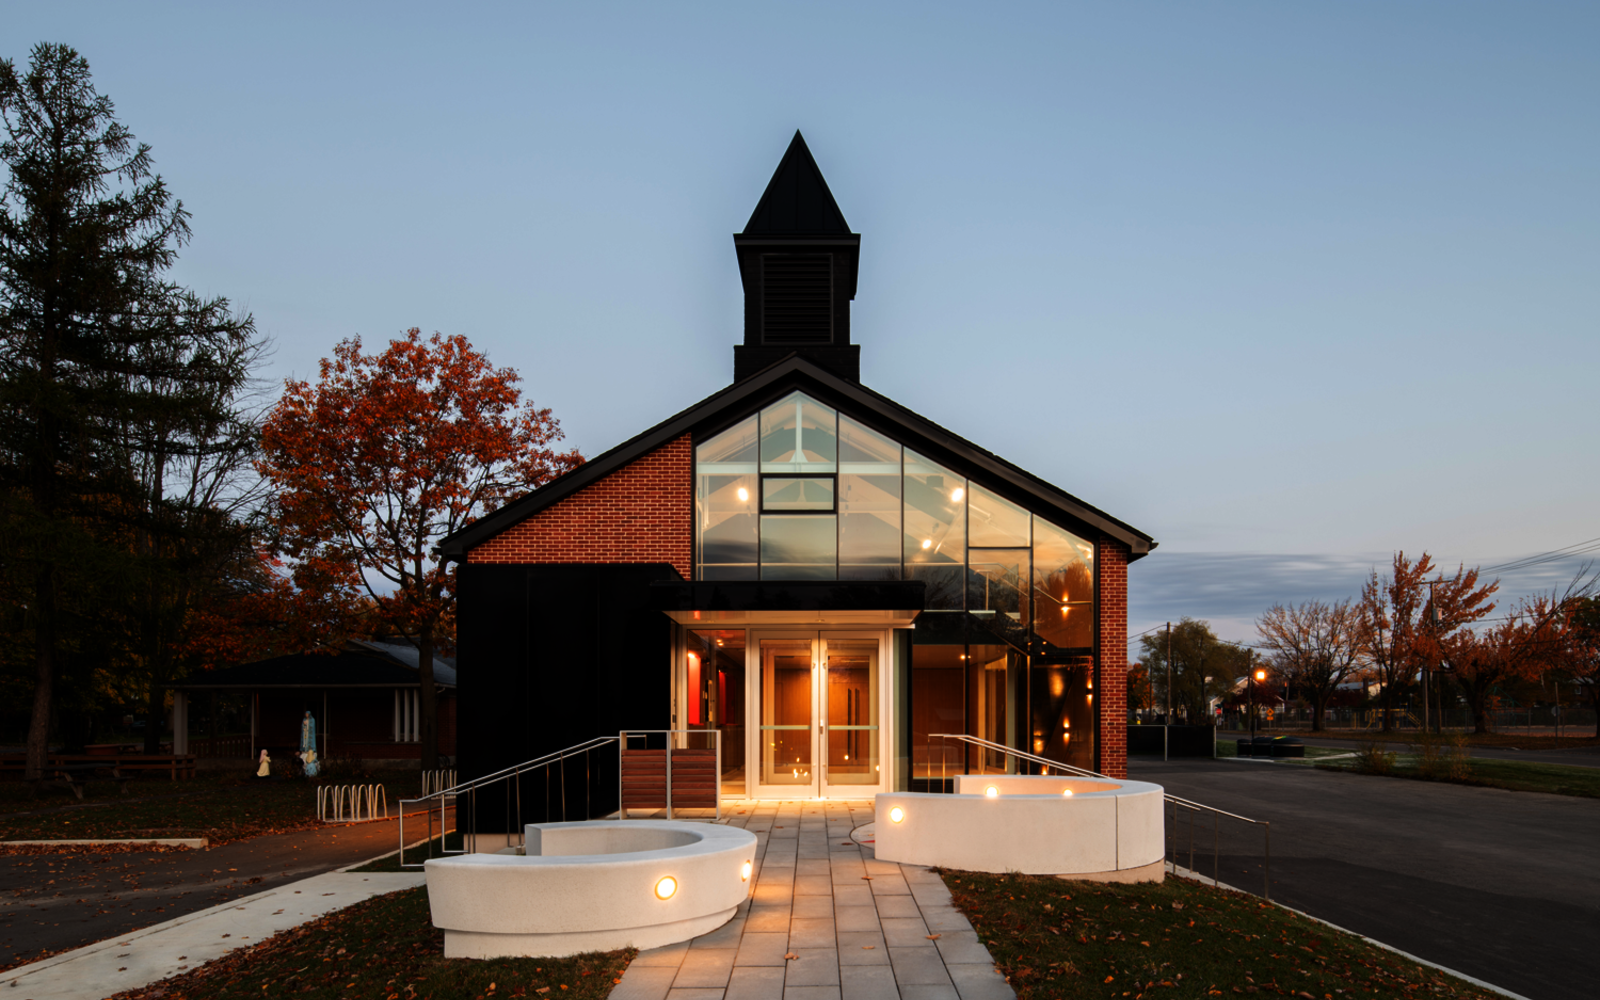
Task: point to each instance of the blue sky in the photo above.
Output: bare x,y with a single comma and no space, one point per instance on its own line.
1288,286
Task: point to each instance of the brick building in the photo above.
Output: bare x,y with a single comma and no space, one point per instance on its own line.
798,563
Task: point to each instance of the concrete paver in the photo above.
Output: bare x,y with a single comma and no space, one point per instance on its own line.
827,921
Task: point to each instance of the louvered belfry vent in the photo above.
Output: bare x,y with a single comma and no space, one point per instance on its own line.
798,262
797,298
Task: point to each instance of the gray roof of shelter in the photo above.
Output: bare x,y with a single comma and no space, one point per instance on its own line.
360,664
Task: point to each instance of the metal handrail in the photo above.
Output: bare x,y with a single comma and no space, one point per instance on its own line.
512,775
1172,800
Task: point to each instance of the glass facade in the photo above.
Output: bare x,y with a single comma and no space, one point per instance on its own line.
1005,648
803,492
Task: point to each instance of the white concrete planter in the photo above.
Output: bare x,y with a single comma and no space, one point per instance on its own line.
591,886
1112,830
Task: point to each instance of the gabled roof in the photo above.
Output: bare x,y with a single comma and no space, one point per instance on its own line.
879,412
797,199
359,664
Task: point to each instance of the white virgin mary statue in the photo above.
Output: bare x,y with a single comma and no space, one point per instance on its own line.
308,744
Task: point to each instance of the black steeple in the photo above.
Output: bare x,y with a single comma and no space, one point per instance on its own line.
798,260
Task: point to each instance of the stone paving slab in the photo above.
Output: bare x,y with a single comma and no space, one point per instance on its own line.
827,921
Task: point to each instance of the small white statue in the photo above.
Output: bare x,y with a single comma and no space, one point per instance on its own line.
265,770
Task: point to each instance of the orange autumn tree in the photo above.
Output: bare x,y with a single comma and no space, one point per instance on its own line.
385,455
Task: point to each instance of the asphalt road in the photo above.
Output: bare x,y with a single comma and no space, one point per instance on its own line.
1502,886
53,902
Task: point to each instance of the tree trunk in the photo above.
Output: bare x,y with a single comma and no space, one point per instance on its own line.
1319,707
1481,721
430,711
155,717
44,677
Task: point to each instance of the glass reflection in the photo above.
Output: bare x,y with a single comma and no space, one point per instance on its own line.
852,712
799,547
799,434
786,712
1063,587
726,504
814,493
935,530
995,523
869,504
997,583
1062,707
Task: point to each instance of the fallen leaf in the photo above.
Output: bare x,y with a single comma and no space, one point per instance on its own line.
933,937
791,957
868,947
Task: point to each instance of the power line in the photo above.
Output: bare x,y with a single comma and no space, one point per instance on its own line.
1554,555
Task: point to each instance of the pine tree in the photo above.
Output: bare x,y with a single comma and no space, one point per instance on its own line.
102,358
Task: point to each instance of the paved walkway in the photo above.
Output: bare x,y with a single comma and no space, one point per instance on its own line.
827,921
53,902
136,959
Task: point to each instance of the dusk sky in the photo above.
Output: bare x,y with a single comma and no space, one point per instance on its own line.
1287,286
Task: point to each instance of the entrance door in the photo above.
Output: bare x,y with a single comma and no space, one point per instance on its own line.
820,697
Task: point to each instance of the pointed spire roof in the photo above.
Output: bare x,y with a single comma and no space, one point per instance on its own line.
797,199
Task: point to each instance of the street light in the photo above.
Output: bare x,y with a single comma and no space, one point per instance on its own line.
1259,675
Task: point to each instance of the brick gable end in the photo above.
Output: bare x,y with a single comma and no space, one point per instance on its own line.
641,513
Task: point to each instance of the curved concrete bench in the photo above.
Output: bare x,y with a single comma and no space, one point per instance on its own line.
1108,830
591,886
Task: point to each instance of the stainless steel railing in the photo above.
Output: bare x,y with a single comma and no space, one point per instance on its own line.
451,801
1170,802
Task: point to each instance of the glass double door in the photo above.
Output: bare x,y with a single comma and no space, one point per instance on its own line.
820,698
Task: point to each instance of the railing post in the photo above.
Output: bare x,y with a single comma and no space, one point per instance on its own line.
716,775
669,775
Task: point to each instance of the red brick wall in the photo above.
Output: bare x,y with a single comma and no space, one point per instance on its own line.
1112,686
641,513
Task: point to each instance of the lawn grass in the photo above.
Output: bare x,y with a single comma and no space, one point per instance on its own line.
1060,940
1511,775
222,805
1501,741
385,948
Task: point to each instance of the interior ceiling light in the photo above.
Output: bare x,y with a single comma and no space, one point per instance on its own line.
956,494
927,543
744,494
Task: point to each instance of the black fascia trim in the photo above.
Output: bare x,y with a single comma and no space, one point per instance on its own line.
200,685
788,595
936,442
728,406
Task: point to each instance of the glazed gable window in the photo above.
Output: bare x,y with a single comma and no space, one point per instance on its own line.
801,491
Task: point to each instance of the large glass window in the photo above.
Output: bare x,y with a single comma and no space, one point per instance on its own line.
1063,587
935,530
869,504
803,492
726,504
714,696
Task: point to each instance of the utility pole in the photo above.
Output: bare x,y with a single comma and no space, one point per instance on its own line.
1166,720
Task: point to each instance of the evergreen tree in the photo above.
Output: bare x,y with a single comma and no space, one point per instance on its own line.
103,361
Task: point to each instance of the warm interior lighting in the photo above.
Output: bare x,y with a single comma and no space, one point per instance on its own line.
991,792
747,868
1066,793
897,815
666,887
956,494
927,543
744,494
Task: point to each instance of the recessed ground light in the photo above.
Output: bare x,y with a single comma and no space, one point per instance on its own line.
666,887
1066,793
896,814
745,870
992,792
